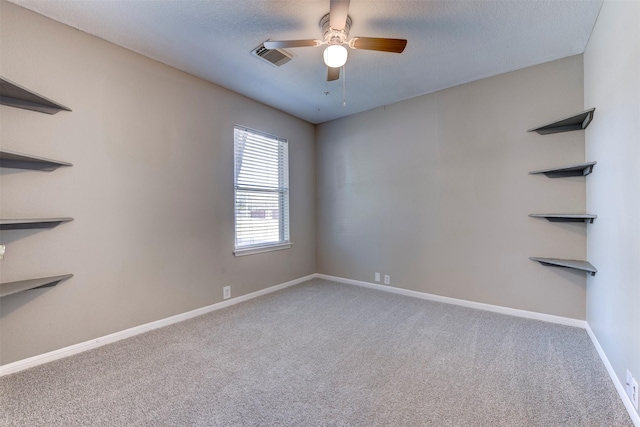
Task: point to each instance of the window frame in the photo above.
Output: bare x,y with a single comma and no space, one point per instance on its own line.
284,226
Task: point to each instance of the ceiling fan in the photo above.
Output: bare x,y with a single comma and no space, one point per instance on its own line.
335,27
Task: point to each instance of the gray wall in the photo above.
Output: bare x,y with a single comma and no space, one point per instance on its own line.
435,191
151,189
612,85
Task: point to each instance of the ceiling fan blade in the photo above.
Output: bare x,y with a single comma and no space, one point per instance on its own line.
283,44
338,11
333,74
374,43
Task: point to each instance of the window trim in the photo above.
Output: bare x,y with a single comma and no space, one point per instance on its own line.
286,224
257,249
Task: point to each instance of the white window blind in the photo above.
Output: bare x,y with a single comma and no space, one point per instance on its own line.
261,187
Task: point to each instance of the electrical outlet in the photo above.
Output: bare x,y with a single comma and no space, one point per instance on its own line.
632,389
387,279
3,249
226,292
377,277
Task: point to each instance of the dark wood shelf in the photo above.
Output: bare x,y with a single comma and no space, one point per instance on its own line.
23,224
578,122
10,288
567,263
14,95
581,169
10,159
586,218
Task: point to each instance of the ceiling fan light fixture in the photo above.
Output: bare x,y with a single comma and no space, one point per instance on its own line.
335,56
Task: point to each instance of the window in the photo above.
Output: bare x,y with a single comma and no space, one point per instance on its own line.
261,190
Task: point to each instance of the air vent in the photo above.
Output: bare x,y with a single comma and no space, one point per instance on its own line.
277,57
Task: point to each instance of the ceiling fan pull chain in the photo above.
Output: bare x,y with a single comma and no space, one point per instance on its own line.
344,86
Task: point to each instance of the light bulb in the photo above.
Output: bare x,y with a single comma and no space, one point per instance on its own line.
335,56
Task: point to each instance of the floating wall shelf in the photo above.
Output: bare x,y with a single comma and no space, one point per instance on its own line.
10,159
22,224
11,288
566,217
581,169
14,95
567,263
577,122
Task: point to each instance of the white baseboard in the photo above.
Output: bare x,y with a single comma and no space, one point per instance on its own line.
117,336
616,381
40,359
464,303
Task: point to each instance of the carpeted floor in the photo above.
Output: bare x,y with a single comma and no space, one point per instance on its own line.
327,354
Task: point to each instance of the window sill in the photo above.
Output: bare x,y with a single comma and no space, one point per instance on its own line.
260,249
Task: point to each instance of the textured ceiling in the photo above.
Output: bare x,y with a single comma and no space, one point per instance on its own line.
450,42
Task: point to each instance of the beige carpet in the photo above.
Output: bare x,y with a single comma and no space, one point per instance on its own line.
327,354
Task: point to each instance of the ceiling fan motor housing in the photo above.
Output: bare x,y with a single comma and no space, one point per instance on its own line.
331,35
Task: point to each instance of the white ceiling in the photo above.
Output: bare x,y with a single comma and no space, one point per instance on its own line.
450,42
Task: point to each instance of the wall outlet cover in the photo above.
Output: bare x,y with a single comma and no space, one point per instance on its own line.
387,279
377,276
226,292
